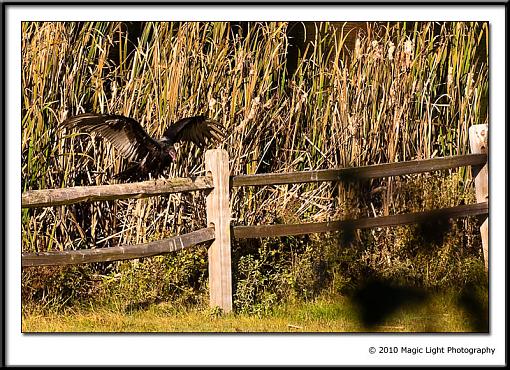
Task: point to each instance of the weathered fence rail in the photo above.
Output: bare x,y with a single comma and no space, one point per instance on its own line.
219,232
122,252
362,173
57,197
262,231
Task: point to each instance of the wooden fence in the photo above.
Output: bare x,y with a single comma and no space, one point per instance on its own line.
217,184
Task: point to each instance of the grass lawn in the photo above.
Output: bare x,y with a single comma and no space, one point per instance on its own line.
438,314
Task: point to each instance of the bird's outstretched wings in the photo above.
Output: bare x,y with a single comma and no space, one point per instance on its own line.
125,133
198,129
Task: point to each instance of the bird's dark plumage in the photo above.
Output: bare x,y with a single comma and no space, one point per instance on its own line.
150,156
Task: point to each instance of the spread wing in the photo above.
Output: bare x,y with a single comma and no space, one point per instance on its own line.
126,134
198,129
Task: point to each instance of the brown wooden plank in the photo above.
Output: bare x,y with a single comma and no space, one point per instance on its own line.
262,231
55,197
122,252
361,173
218,214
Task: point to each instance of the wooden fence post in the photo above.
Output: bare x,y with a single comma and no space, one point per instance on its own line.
478,140
218,215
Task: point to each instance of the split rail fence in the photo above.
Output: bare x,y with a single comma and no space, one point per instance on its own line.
217,183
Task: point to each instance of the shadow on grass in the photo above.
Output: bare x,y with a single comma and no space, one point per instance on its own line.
378,299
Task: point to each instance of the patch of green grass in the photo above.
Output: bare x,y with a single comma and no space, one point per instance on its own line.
441,313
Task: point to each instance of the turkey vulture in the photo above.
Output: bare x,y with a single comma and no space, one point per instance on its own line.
150,156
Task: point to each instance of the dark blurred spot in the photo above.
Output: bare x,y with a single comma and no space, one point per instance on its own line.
433,231
378,299
346,236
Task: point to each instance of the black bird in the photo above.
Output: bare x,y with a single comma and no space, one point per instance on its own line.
150,156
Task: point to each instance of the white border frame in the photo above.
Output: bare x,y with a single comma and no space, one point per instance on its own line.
178,349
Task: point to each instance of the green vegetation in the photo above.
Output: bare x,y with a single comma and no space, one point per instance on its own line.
401,92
